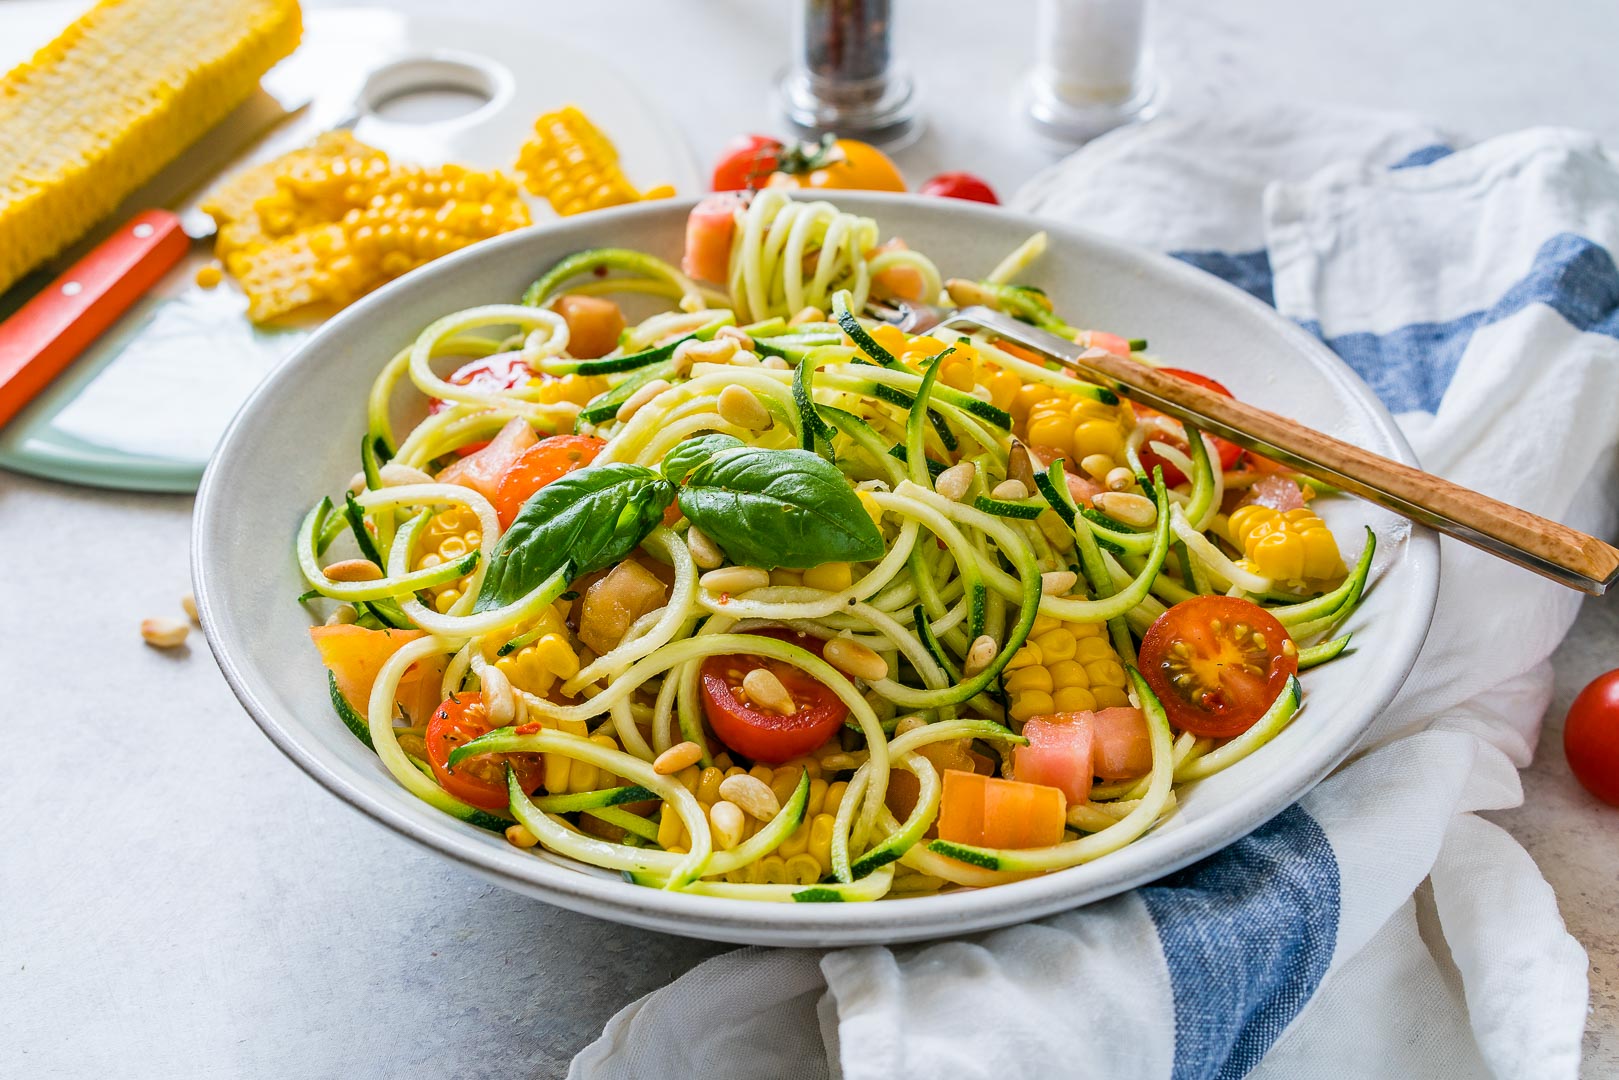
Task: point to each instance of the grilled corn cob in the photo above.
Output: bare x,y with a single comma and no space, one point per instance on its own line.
1291,545
574,167
1064,667
97,112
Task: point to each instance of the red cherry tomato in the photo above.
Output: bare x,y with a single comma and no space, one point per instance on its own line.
478,781
960,185
1211,681
539,465
766,736
1228,452
1591,737
492,374
746,163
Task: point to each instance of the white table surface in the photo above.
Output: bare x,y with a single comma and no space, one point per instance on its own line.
176,899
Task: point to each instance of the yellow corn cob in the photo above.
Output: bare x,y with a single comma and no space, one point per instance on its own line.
574,167
1292,545
804,857
112,100
1064,667
329,223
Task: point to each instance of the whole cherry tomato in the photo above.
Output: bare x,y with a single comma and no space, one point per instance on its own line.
1591,737
960,185
746,163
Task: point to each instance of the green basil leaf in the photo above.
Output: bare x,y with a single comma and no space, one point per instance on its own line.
585,520
687,455
770,508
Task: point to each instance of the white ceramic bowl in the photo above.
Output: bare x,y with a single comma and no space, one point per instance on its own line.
297,437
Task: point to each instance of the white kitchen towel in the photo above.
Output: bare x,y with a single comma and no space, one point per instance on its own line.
1380,927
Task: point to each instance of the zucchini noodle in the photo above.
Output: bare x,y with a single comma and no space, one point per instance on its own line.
839,553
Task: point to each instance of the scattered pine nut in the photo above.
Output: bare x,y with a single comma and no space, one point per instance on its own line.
164,633
954,481
1127,507
734,580
752,795
704,552
1097,465
736,334
519,836
1057,582
807,315
677,757
189,602
633,403
840,762
979,654
855,659
343,615
499,702
691,352
1119,479
765,690
775,363
742,407
908,725
354,570
727,821
1011,490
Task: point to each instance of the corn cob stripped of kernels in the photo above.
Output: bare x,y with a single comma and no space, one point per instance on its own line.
1285,545
1064,667
329,223
804,857
98,111
574,167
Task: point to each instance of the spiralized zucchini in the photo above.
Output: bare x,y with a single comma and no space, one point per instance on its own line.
994,568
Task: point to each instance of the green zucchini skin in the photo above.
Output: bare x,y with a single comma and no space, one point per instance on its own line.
345,712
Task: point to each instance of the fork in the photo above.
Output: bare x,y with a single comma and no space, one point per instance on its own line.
1554,550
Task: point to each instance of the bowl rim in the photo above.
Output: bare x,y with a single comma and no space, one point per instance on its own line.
753,921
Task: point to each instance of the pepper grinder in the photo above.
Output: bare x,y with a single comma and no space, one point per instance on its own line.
844,79
1092,72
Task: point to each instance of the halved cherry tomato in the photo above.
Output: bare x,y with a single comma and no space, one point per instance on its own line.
1228,452
539,465
766,736
960,185
746,163
1216,663
478,781
1591,737
492,374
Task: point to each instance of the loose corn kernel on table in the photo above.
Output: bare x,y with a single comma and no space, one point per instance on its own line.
228,918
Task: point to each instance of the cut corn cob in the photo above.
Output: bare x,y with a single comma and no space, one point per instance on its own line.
97,112
574,167
1064,667
1291,545
449,535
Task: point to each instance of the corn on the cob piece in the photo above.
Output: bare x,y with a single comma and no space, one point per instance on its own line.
1076,426
449,535
574,167
1291,545
1064,667
329,223
97,112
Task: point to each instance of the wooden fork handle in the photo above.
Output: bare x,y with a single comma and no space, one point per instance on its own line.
1539,544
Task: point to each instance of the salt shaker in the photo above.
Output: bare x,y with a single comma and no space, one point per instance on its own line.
1092,72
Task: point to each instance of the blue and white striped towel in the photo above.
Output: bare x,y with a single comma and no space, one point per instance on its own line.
1378,928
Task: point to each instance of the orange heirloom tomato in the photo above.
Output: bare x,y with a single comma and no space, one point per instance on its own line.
847,165
545,461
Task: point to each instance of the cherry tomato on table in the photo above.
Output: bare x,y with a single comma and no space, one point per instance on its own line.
1228,452
540,464
746,163
960,185
756,733
478,781
1217,663
1591,737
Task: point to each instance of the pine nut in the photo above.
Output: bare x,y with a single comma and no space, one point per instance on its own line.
519,836
1010,490
1127,507
807,315
855,659
1119,479
1098,465
691,351
751,795
736,334
726,819
704,552
396,475
908,725
342,616
633,404
776,363
981,652
1057,582
189,603
734,580
164,633
354,570
742,407
677,757
964,293
499,703
840,762
765,690
954,481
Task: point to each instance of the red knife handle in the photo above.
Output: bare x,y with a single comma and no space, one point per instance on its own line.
44,335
